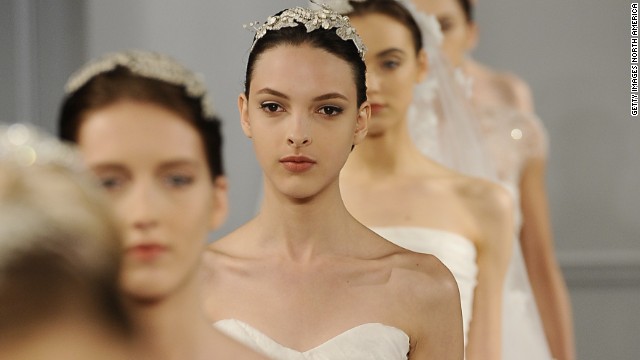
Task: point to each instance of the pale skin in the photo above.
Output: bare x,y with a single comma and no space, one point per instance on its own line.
305,269
411,190
494,89
166,202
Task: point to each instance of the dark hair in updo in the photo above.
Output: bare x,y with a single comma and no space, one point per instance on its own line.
121,83
325,39
392,9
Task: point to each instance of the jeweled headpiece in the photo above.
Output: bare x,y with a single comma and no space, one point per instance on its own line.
148,65
323,18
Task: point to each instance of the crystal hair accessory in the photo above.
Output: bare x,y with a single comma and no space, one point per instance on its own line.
148,65
341,6
25,145
312,19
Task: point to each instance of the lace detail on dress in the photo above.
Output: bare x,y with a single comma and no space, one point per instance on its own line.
512,138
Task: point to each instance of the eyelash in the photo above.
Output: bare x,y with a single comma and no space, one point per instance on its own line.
334,109
179,181
271,107
267,107
446,25
390,64
110,183
113,183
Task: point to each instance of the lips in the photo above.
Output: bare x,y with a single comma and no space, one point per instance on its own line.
297,163
376,108
147,252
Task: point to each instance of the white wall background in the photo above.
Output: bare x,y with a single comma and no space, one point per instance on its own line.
573,53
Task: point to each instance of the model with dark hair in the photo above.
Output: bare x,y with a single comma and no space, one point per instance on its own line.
304,279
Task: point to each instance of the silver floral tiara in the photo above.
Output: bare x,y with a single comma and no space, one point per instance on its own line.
323,18
149,65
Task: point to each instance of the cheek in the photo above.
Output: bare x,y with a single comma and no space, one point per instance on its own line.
403,83
191,214
264,149
339,141
454,46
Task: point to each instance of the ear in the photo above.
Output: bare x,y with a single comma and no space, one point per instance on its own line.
423,65
220,202
362,123
243,108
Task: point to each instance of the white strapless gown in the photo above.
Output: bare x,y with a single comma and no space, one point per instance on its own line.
523,334
370,341
455,251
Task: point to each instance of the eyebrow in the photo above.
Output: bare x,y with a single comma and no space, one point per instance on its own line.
113,166
270,91
328,96
179,163
107,166
389,52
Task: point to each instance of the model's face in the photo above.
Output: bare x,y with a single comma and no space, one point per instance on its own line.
152,164
303,117
393,69
459,35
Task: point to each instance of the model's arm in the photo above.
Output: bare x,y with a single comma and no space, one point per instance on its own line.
546,279
495,217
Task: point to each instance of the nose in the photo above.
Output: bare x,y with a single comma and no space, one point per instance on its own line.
300,132
141,209
372,81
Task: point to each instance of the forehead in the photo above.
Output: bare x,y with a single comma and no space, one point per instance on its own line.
303,69
380,32
440,7
130,129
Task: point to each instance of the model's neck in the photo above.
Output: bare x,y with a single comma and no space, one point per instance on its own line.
383,155
303,229
173,327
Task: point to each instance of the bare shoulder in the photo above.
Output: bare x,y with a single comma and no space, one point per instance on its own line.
484,198
423,278
516,90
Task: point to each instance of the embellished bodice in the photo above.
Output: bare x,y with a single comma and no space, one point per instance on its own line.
455,251
370,341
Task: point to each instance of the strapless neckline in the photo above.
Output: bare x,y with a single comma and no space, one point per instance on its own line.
370,332
450,235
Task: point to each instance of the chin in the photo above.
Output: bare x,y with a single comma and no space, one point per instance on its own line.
375,131
300,196
145,288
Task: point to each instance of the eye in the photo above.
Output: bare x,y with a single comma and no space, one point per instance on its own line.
271,107
178,181
330,110
390,64
445,25
111,183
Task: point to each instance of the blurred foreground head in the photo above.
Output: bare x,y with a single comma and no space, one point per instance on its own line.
59,254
